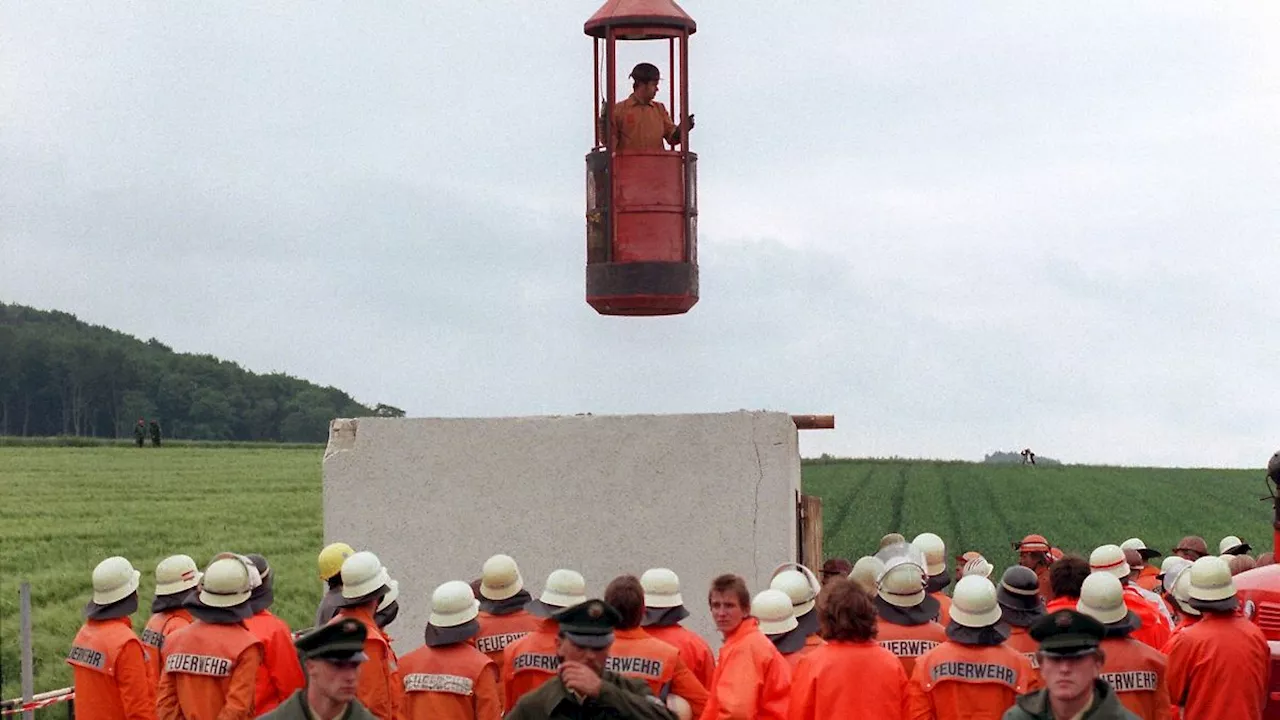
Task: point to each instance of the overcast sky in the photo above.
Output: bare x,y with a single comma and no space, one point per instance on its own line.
960,227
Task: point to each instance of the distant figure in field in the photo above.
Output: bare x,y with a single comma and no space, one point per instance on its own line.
1028,457
155,433
140,432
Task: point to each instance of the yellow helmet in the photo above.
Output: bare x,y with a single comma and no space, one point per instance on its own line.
332,557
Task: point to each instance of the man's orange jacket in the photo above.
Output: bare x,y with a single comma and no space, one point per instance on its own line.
110,671
1137,673
1021,641
530,661
909,642
1218,668
281,672
944,608
966,682
209,673
160,626
636,655
695,651
378,685
450,682
499,631
845,679
1154,631
752,680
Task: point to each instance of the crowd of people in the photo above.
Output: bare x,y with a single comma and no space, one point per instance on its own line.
1056,636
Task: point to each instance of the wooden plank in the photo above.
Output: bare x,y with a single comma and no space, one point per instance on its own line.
814,422
811,533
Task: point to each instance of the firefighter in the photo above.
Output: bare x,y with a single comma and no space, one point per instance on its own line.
330,563
1179,582
799,584
1218,667
935,557
176,579
1232,545
532,660
752,680
1169,570
664,609
866,573
907,627
1147,577
835,567
974,565
1033,552
280,674
584,688
1072,666
211,666
388,608
108,664
332,655
448,678
1066,576
772,608
1191,547
502,618
821,687
636,655
891,539
364,583
1240,563
1154,631
1020,607
973,675
1136,565
1135,671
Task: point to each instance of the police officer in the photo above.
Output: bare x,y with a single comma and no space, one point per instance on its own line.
108,666
211,665
1135,671
448,678
280,673
332,656
502,618
583,689
1020,607
663,610
532,660
1071,662
330,564
176,579
364,583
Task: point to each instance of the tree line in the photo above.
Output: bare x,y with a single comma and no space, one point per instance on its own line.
61,376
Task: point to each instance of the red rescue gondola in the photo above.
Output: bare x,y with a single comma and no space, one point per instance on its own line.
642,200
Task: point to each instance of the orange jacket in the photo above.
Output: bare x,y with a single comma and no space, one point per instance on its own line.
1020,640
209,673
160,626
844,679
1154,631
450,682
909,642
1147,578
1046,588
810,642
752,680
1066,602
1218,668
499,631
1184,622
955,681
636,655
530,661
110,671
378,687
1137,673
944,608
280,673
694,651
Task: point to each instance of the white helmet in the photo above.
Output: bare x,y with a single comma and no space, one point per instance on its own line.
978,566
1211,580
661,588
175,574
393,594
1109,559
363,574
564,588
903,581
114,579
798,583
866,572
1182,590
500,578
453,604
681,707
1171,565
227,582
974,604
774,611
935,553
1102,598
1232,545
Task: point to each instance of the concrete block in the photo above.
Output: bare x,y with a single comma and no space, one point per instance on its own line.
701,494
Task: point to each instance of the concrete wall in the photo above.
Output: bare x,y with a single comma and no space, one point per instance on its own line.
604,495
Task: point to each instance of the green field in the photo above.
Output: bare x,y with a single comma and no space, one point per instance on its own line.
64,509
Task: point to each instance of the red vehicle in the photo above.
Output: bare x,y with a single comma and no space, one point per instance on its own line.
1259,591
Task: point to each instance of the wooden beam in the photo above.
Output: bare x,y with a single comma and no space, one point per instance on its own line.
814,422
811,533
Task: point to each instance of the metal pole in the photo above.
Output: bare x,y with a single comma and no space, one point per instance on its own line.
28,664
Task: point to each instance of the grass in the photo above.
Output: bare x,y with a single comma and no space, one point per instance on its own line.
63,509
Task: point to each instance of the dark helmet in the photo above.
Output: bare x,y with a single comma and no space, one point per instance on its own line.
1273,467
645,72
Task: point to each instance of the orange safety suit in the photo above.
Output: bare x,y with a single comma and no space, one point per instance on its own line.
281,672
847,679
450,682
955,681
1218,668
110,673
378,685
1184,622
944,608
910,642
694,651
642,127
1147,578
1066,602
499,631
810,642
636,655
160,626
752,680
1021,641
531,661
1154,631
1137,673
209,673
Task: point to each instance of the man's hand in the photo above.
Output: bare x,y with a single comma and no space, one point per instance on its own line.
580,679
690,121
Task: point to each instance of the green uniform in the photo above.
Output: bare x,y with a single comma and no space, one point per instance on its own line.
1035,706
295,708
620,697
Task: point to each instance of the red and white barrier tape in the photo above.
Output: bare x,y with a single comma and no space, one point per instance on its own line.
37,704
